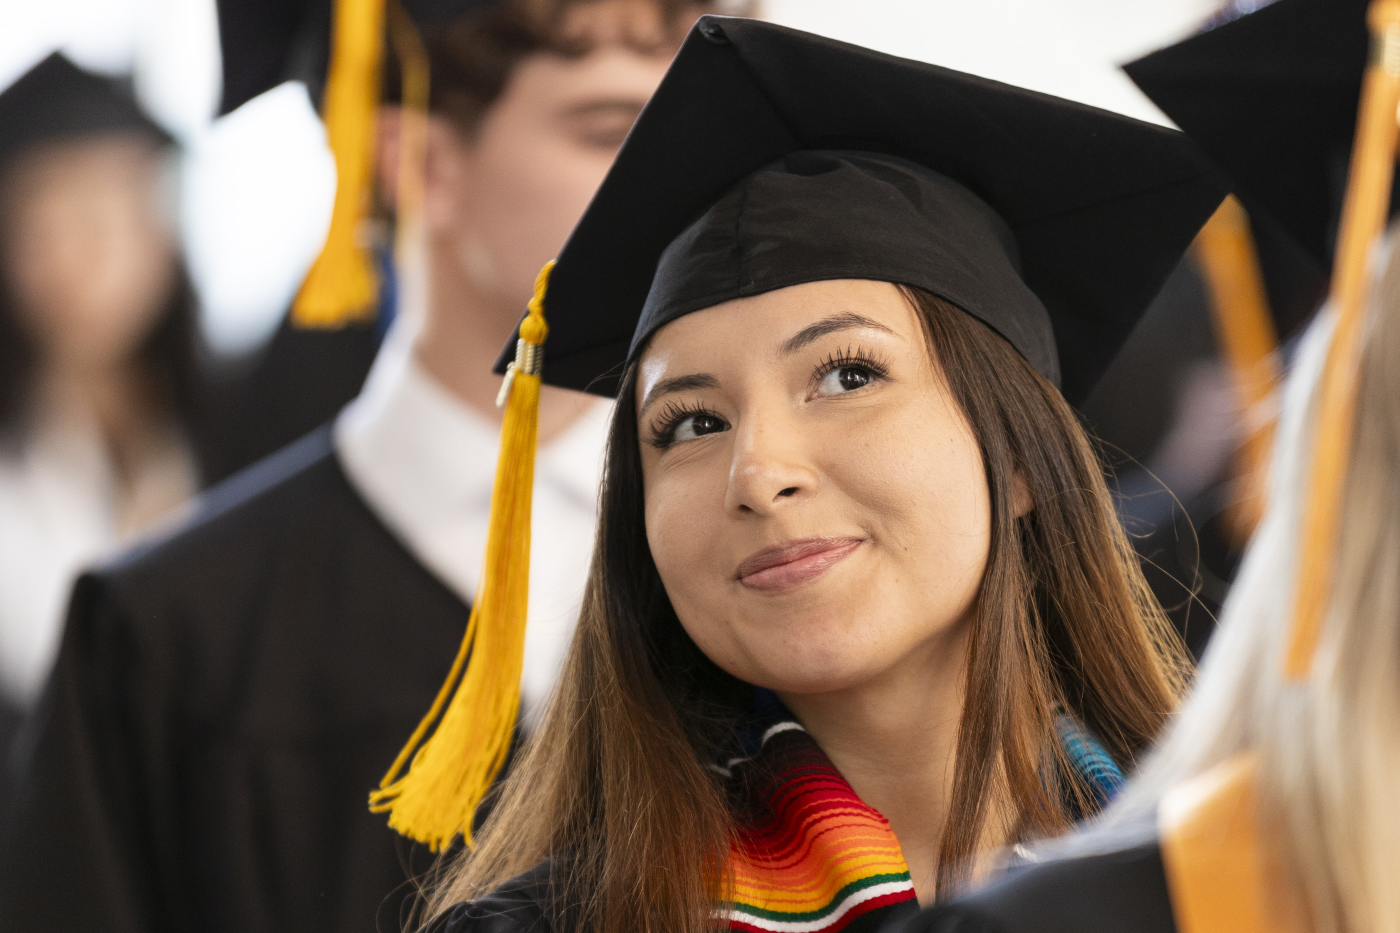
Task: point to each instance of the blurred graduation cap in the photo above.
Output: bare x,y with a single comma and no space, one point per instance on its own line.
337,47
769,158
267,42
1271,97
56,100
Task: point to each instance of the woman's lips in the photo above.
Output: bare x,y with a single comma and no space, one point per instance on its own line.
794,563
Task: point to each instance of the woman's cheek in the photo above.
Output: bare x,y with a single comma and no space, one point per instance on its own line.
676,531
921,484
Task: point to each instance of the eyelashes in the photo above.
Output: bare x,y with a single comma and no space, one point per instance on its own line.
853,358
663,430
854,369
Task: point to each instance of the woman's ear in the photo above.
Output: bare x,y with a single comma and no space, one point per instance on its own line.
1022,501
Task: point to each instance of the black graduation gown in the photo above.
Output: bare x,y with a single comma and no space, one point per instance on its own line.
1117,892
298,381
518,906
222,704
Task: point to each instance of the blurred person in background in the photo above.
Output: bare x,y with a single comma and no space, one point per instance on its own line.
226,697
97,349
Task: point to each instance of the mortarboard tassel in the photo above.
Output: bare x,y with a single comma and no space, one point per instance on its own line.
436,797
342,285
1363,217
1249,341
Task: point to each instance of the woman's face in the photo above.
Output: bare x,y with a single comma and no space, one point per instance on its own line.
815,498
89,250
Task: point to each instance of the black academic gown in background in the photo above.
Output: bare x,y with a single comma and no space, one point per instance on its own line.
300,380
222,704
1116,892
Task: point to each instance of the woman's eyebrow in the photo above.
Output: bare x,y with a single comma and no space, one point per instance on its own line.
678,384
829,325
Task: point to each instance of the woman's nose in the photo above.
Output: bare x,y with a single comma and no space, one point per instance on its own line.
770,468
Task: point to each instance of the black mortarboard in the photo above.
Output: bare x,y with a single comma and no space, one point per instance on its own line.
769,157
57,100
266,42
1272,97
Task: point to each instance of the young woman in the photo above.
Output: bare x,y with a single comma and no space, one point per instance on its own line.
859,610
97,348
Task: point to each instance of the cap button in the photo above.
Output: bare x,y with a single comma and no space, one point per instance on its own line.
714,32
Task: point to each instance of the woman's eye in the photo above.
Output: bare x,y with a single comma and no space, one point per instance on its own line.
697,425
845,379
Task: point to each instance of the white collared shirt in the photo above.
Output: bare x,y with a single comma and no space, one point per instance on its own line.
425,463
64,508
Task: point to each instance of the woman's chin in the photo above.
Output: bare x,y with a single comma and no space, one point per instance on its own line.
813,671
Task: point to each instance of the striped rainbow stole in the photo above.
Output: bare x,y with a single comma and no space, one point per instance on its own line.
811,856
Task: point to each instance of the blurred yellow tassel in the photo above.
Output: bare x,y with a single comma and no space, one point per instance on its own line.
1249,342
452,769
342,285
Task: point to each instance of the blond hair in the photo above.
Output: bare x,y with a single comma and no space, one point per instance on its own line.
1329,785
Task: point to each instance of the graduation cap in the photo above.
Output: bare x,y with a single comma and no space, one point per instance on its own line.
768,158
1271,97
266,42
1083,213
56,100
1297,102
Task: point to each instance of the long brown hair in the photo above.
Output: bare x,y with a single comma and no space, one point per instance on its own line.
612,788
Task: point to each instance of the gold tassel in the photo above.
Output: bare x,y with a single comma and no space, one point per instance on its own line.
1363,217
1248,340
453,768
342,285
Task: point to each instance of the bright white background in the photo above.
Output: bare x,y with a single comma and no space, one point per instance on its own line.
257,185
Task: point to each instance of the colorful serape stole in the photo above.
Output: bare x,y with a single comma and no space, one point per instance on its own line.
811,856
